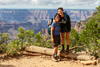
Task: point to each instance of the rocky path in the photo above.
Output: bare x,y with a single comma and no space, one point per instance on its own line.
40,61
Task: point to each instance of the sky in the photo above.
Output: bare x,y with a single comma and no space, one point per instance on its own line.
49,4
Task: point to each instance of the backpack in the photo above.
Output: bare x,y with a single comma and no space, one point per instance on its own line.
49,26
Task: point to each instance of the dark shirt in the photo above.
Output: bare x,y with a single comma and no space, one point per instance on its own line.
65,23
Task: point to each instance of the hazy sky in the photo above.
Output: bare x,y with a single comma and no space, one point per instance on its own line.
72,4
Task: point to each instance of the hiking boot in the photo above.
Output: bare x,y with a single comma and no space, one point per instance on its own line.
55,57
67,50
62,51
59,58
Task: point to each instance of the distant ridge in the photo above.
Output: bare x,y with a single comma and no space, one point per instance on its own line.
36,19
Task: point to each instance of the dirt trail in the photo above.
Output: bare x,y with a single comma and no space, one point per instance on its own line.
40,61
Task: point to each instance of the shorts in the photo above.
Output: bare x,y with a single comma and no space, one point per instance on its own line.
56,41
63,28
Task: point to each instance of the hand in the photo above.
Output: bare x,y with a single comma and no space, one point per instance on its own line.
52,39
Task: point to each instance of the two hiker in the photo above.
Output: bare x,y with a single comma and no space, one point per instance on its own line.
60,31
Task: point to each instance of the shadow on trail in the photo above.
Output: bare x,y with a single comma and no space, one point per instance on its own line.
1,65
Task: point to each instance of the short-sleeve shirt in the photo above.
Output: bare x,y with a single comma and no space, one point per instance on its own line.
56,28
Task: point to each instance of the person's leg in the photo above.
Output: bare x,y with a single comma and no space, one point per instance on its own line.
55,57
62,41
55,50
67,40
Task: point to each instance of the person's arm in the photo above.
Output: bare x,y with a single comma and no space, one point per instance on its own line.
52,34
69,21
52,31
48,22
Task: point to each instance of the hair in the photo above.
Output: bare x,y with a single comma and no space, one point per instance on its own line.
60,8
57,15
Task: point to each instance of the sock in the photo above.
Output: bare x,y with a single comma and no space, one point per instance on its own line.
55,55
67,48
62,46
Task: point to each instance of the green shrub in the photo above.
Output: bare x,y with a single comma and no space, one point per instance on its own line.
91,34
42,40
13,48
4,39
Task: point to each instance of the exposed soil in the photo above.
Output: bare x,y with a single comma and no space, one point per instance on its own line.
40,61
